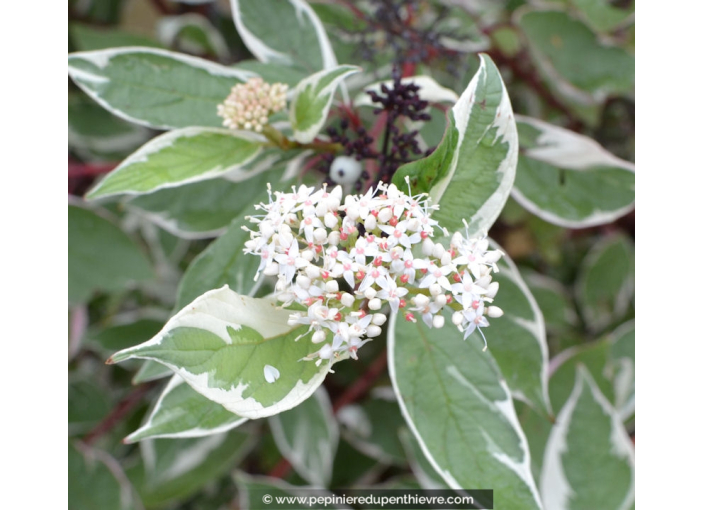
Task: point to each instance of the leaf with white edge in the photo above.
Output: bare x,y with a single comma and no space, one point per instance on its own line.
555,37
251,491
220,344
192,33
589,459
272,72
221,263
96,134
100,256
471,172
183,412
569,179
455,401
156,88
606,282
284,32
537,430
424,472
553,301
312,99
90,469
372,427
202,209
430,91
517,340
610,360
307,436
180,157
175,469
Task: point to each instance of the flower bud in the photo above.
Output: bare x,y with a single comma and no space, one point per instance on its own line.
320,235
494,311
373,331
271,269
370,223
308,255
369,293
313,272
441,299
435,289
456,239
457,318
378,319
484,281
332,286
318,336
303,281
347,300
385,214
492,289
446,258
375,304
438,321
428,247
438,251
421,300
330,220
334,238
493,256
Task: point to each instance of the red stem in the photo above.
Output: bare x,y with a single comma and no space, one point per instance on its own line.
76,169
118,413
362,385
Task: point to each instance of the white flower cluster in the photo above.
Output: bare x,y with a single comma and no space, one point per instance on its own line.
249,104
345,262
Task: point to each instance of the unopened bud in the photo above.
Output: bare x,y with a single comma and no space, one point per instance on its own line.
421,300
441,299
438,321
385,215
334,238
375,304
492,256
332,286
303,281
370,223
438,251
373,331
492,289
428,247
369,293
457,318
330,220
494,311
347,300
320,235
271,269
318,336
435,289
378,319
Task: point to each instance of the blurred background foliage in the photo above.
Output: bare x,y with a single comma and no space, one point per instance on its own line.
568,62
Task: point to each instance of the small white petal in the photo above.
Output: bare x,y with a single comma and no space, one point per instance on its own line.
271,374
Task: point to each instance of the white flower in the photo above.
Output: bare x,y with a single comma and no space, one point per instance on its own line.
391,292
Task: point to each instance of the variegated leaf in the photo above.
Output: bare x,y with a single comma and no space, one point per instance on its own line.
605,282
156,88
430,91
307,436
183,412
225,346
517,340
458,406
568,179
284,32
589,459
312,99
180,157
471,172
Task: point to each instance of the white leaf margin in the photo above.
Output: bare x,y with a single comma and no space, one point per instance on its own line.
215,311
267,54
101,58
165,140
554,486
506,132
430,91
307,136
173,383
295,456
169,27
536,328
566,149
505,407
